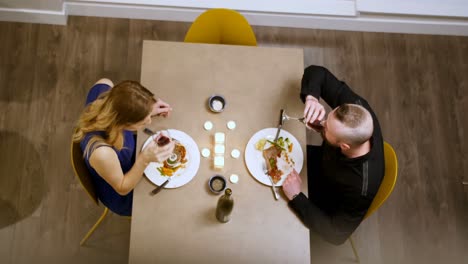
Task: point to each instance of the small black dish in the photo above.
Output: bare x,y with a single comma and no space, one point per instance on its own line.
216,103
217,184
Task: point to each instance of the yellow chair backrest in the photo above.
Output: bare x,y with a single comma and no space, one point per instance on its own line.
389,180
221,26
81,171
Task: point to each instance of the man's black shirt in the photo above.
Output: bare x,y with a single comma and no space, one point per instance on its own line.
341,189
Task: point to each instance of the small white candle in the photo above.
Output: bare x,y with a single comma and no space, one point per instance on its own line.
219,149
219,162
220,137
231,125
208,125
235,153
205,152
234,178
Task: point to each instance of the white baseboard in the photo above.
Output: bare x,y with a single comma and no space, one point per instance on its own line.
361,22
33,16
133,12
364,22
445,8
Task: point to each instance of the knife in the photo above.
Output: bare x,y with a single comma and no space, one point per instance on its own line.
280,125
265,170
160,187
148,131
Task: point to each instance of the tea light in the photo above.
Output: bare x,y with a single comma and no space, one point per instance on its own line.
231,125
208,125
205,152
235,153
219,149
234,178
219,137
219,162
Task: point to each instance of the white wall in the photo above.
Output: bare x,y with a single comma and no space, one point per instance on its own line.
33,11
55,5
444,17
443,8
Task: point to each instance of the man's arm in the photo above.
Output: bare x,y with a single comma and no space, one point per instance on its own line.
319,82
336,228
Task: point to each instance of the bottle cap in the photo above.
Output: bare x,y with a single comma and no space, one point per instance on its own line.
228,191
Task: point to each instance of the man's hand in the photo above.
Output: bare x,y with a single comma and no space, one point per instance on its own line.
313,110
292,184
161,108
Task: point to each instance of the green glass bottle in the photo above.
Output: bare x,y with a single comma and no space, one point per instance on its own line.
224,208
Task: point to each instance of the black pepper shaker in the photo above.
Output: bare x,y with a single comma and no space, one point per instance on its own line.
224,208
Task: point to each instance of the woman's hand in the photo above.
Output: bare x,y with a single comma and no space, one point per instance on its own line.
154,153
313,110
161,108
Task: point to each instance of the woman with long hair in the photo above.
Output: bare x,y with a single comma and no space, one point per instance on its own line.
105,131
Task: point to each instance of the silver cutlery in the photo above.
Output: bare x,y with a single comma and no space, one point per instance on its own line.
280,125
148,131
286,117
160,187
275,193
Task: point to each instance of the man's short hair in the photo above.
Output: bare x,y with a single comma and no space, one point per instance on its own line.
357,124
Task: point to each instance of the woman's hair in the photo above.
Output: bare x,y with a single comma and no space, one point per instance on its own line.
125,104
357,124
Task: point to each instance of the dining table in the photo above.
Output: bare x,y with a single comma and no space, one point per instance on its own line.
178,225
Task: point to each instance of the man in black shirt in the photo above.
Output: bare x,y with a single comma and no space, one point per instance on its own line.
345,172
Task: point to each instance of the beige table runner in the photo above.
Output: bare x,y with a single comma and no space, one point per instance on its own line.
179,225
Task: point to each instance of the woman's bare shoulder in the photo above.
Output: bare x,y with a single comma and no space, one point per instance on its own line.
103,154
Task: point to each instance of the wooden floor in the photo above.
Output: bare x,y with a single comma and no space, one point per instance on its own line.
418,86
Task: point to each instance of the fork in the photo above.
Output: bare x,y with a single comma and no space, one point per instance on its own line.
300,119
271,180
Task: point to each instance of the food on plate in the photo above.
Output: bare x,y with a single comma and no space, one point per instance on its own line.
260,144
176,161
274,152
271,156
285,143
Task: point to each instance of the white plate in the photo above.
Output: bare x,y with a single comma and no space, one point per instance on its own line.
183,175
254,158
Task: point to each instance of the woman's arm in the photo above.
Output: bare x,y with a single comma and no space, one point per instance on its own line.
106,163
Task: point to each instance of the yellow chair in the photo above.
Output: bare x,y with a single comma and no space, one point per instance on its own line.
221,26
84,177
386,187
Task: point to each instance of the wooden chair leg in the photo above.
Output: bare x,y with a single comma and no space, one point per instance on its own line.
354,249
91,231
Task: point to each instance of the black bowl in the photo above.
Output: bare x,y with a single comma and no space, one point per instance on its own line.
217,184
213,102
